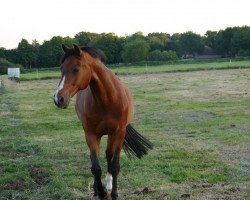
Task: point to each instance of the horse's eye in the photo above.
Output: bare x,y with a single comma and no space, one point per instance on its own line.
75,70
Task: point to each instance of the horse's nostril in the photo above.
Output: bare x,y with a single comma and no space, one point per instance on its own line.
61,99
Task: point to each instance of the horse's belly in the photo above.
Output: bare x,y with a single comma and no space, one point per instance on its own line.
101,120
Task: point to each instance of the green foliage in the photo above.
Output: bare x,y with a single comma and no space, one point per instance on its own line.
111,45
51,51
210,38
26,53
135,50
224,41
243,53
86,38
137,35
5,64
157,55
241,42
2,52
174,44
158,41
107,42
190,43
169,55
231,42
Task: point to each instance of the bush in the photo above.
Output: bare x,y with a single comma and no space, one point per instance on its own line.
158,55
243,53
5,64
169,55
155,55
135,50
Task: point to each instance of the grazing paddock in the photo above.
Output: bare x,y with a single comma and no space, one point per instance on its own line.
199,122
125,70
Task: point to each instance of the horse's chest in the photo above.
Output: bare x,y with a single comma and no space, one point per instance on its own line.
102,119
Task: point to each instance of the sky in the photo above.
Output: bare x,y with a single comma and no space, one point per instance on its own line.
43,19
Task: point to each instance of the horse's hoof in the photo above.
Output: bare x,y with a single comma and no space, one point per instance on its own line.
104,198
101,198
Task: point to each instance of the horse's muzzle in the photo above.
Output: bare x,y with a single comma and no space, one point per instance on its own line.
60,101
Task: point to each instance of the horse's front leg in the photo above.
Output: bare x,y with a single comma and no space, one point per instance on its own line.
93,143
115,144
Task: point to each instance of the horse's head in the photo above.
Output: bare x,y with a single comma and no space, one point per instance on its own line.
76,75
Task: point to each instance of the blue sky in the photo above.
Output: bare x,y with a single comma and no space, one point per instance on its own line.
43,19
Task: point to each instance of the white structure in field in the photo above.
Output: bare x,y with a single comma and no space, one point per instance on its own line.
14,72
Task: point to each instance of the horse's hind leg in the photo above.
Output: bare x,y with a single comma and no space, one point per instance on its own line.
115,144
93,143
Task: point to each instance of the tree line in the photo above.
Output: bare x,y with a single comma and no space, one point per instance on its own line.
231,42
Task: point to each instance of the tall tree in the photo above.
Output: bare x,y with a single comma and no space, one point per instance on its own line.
190,43
25,53
111,45
224,40
2,52
50,52
86,38
210,39
135,50
174,44
158,40
35,46
241,41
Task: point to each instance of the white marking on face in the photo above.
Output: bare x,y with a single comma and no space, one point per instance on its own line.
59,89
109,182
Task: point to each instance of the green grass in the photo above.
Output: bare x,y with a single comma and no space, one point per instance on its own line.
198,121
43,74
125,70
181,67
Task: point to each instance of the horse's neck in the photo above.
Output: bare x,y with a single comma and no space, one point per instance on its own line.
103,84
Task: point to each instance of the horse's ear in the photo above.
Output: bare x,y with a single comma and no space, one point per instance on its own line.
65,48
77,49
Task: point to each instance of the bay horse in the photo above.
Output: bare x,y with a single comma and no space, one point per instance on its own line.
104,105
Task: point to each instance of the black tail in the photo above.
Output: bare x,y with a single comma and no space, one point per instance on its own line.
135,144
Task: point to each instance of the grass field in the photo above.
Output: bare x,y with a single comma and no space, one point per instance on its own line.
122,70
199,122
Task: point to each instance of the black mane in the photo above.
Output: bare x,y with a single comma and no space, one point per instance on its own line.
94,52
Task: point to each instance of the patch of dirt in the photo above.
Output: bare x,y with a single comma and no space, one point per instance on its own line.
40,175
196,116
17,185
189,134
185,196
240,158
222,190
145,190
195,191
